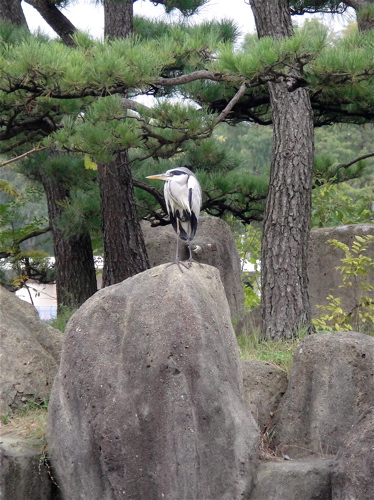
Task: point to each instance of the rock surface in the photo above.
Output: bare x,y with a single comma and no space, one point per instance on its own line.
30,351
324,278
264,386
148,402
330,386
22,474
215,247
353,472
304,479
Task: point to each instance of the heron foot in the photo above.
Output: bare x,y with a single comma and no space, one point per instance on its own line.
193,261
179,264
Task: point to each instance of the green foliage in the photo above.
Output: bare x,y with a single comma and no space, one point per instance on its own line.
28,418
62,319
32,404
267,54
333,206
341,74
187,7
252,143
81,211
252,346
355,265
9,189
249,248
21,215
227,183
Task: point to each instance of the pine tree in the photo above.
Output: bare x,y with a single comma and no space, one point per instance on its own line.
335,81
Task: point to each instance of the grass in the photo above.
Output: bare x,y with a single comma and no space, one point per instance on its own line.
27,421
63,317
280,353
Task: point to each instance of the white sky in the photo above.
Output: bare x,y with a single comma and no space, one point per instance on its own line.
89,17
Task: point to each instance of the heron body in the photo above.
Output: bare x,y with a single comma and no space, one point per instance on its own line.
182,194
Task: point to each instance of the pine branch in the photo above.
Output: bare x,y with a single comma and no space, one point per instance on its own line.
32,234
349,164
35,150
151,190
240,93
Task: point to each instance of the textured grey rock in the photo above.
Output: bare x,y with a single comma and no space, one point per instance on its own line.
22,473
330,386
264,387
353,471
30,351
148,402
214,245
324,278
304,479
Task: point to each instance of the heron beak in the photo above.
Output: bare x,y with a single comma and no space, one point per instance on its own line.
161,177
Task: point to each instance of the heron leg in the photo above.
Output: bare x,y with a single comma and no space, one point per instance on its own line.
190,250
177,261
177,252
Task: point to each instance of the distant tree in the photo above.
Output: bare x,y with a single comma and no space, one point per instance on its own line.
364,9
74,265
55,18
11,12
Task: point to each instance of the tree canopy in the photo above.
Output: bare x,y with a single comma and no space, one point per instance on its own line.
91,97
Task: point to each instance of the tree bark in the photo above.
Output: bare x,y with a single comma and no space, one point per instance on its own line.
11,11
124,249
118,18
55,18
285,298
74,263
364,13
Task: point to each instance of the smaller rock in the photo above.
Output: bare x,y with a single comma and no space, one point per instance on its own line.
264,386
353,471
304,479
23,475
30,352
330,386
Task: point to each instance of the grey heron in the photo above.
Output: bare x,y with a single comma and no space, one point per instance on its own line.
182,194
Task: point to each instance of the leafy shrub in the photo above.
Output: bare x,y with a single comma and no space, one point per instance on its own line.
354,265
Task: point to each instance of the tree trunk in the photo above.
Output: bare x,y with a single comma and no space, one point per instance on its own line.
74,263
55,18
364,13
285,298
118,18
11,11
124,248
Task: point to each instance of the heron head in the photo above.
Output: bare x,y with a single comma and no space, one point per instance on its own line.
179,174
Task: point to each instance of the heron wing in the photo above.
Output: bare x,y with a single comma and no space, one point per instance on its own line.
183,202
195,197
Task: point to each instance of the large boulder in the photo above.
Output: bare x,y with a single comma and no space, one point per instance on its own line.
264,387
30,351
324,278
148,401
353,472
330,386
213,245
